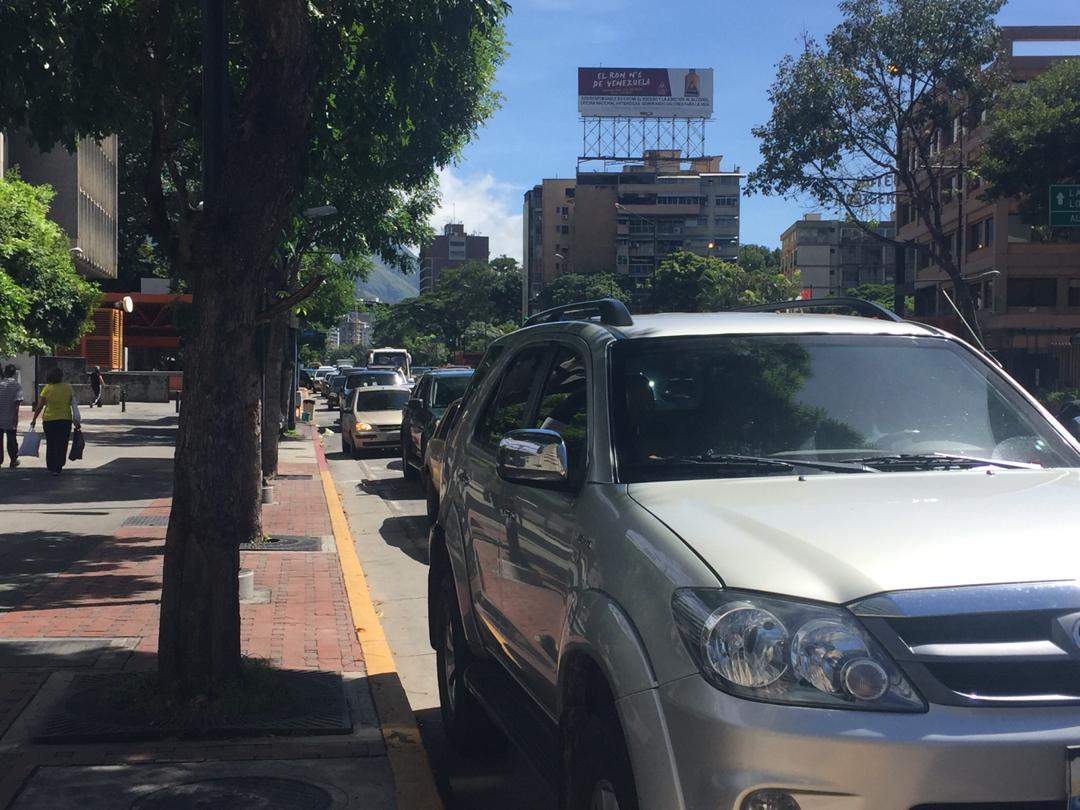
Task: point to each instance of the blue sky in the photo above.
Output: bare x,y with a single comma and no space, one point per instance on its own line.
537,133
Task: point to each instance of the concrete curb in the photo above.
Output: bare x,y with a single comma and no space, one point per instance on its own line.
414,782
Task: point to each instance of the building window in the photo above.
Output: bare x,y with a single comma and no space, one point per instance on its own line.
729,181
1074,292
727,202
1032,292
980,234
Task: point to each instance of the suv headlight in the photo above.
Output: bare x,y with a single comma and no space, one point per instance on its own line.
786,651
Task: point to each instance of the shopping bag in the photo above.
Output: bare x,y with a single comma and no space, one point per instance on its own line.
31,444
78,444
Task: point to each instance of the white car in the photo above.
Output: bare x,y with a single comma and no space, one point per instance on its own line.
371,419
761,561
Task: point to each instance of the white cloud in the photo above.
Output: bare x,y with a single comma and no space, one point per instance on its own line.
485,206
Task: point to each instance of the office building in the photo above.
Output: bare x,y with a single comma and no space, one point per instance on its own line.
1025,280
453,247
831,256
86,194
628,221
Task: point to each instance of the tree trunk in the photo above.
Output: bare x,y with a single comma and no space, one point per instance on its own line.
272,374
215,490
216,504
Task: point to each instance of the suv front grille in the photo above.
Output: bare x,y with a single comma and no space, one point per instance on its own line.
995,645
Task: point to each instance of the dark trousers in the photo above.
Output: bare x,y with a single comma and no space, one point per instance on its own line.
97,395
12,445
57,434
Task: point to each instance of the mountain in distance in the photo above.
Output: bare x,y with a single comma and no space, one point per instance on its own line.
389,284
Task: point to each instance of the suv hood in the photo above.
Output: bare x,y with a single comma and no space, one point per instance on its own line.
837,538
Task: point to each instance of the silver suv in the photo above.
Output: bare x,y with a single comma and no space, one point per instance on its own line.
761,561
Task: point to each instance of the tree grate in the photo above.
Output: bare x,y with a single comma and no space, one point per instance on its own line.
147,520
309,703
286,542
238,793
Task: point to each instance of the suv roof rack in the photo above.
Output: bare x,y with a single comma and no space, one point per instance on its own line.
860,306
610,311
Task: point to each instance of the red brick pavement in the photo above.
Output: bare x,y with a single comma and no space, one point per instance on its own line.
115,591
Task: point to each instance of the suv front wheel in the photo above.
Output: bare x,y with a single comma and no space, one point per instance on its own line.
465,722
597,770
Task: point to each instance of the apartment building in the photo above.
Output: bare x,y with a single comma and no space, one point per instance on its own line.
628,221
453,247
1025,279
86,197
831,256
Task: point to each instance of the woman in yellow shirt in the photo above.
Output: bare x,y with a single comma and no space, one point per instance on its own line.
56,399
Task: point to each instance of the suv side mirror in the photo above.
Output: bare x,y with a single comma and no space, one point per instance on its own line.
532,457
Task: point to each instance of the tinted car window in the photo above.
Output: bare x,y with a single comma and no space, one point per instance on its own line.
506,411
449,419
447,389
380,400
563,406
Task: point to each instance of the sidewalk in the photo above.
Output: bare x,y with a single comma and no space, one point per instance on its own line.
80,578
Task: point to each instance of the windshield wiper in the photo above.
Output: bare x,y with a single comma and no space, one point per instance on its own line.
937,461
761,463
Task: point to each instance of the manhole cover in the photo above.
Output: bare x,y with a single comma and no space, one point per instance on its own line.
147,520
237,793
286,542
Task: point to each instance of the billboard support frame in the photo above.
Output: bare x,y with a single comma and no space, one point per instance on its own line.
623,139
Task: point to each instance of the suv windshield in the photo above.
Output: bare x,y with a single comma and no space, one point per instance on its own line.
732,406
381,400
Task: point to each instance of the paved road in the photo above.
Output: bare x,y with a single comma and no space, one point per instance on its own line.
386,516
47,523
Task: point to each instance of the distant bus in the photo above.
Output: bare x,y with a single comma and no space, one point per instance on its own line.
391,358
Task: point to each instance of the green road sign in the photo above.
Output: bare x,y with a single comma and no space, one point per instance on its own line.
1065,206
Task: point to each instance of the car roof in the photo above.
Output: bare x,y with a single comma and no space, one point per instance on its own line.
449,372
687,324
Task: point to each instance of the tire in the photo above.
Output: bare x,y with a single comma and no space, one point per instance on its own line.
598,774
407,469
431,499
465,723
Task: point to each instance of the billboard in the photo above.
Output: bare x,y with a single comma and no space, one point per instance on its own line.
650,92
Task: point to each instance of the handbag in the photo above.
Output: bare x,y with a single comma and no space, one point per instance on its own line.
78,444
31,444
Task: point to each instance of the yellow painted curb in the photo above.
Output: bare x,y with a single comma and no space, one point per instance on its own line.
414,783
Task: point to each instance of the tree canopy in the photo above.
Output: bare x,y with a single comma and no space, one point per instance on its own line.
571,287
686,282
44,303
1035,139
864,122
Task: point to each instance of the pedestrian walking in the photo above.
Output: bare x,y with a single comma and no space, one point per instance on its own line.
11,399
96,384
57,400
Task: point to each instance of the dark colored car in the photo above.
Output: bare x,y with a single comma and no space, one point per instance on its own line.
335,390
367,378
432,395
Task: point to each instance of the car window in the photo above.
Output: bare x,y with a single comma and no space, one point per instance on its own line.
449,419
422,389
379,400
447,389
506,411
374,378
563,406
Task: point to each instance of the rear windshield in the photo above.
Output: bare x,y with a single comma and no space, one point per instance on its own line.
447,389
381,400
681,405
374,378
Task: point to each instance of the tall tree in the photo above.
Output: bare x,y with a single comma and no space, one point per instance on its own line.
362,97
686,282
868,119
44,303
571,287
1035,139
